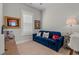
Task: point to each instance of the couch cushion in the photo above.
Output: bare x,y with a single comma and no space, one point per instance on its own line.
50,40
37,37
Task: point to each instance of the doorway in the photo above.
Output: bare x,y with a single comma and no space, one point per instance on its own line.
10,44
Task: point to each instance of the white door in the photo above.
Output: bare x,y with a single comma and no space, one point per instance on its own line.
1,36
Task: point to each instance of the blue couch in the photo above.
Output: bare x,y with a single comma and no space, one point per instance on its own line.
49,42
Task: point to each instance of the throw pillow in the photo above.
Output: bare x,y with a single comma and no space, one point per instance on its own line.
39,34
46,34
55,37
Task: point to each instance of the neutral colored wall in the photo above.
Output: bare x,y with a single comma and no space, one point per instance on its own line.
54,17
1,36
15,9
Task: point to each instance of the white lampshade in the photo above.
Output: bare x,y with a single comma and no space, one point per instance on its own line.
71,21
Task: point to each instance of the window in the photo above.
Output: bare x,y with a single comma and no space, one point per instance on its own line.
27,24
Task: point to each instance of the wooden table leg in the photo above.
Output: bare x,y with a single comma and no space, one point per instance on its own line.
71,52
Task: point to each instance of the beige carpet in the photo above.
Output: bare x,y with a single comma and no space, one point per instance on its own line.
34,48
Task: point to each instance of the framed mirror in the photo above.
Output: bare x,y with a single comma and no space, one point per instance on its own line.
11,22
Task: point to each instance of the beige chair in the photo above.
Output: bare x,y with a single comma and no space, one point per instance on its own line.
74,43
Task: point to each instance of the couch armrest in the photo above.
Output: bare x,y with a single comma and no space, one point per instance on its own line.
60,41
61,38
34,36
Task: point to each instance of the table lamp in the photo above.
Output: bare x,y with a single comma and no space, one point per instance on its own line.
71,22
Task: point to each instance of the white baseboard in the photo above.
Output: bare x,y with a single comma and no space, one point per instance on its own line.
22,41
2,53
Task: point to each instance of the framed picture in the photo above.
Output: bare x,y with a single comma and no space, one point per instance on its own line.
37,24
11,22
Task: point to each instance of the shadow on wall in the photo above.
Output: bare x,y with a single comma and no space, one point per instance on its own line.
52,29
64,29
78,22
68,29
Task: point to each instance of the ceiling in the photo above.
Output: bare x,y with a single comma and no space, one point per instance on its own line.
40,6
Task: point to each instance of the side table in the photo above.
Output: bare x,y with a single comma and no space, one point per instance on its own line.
66,41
